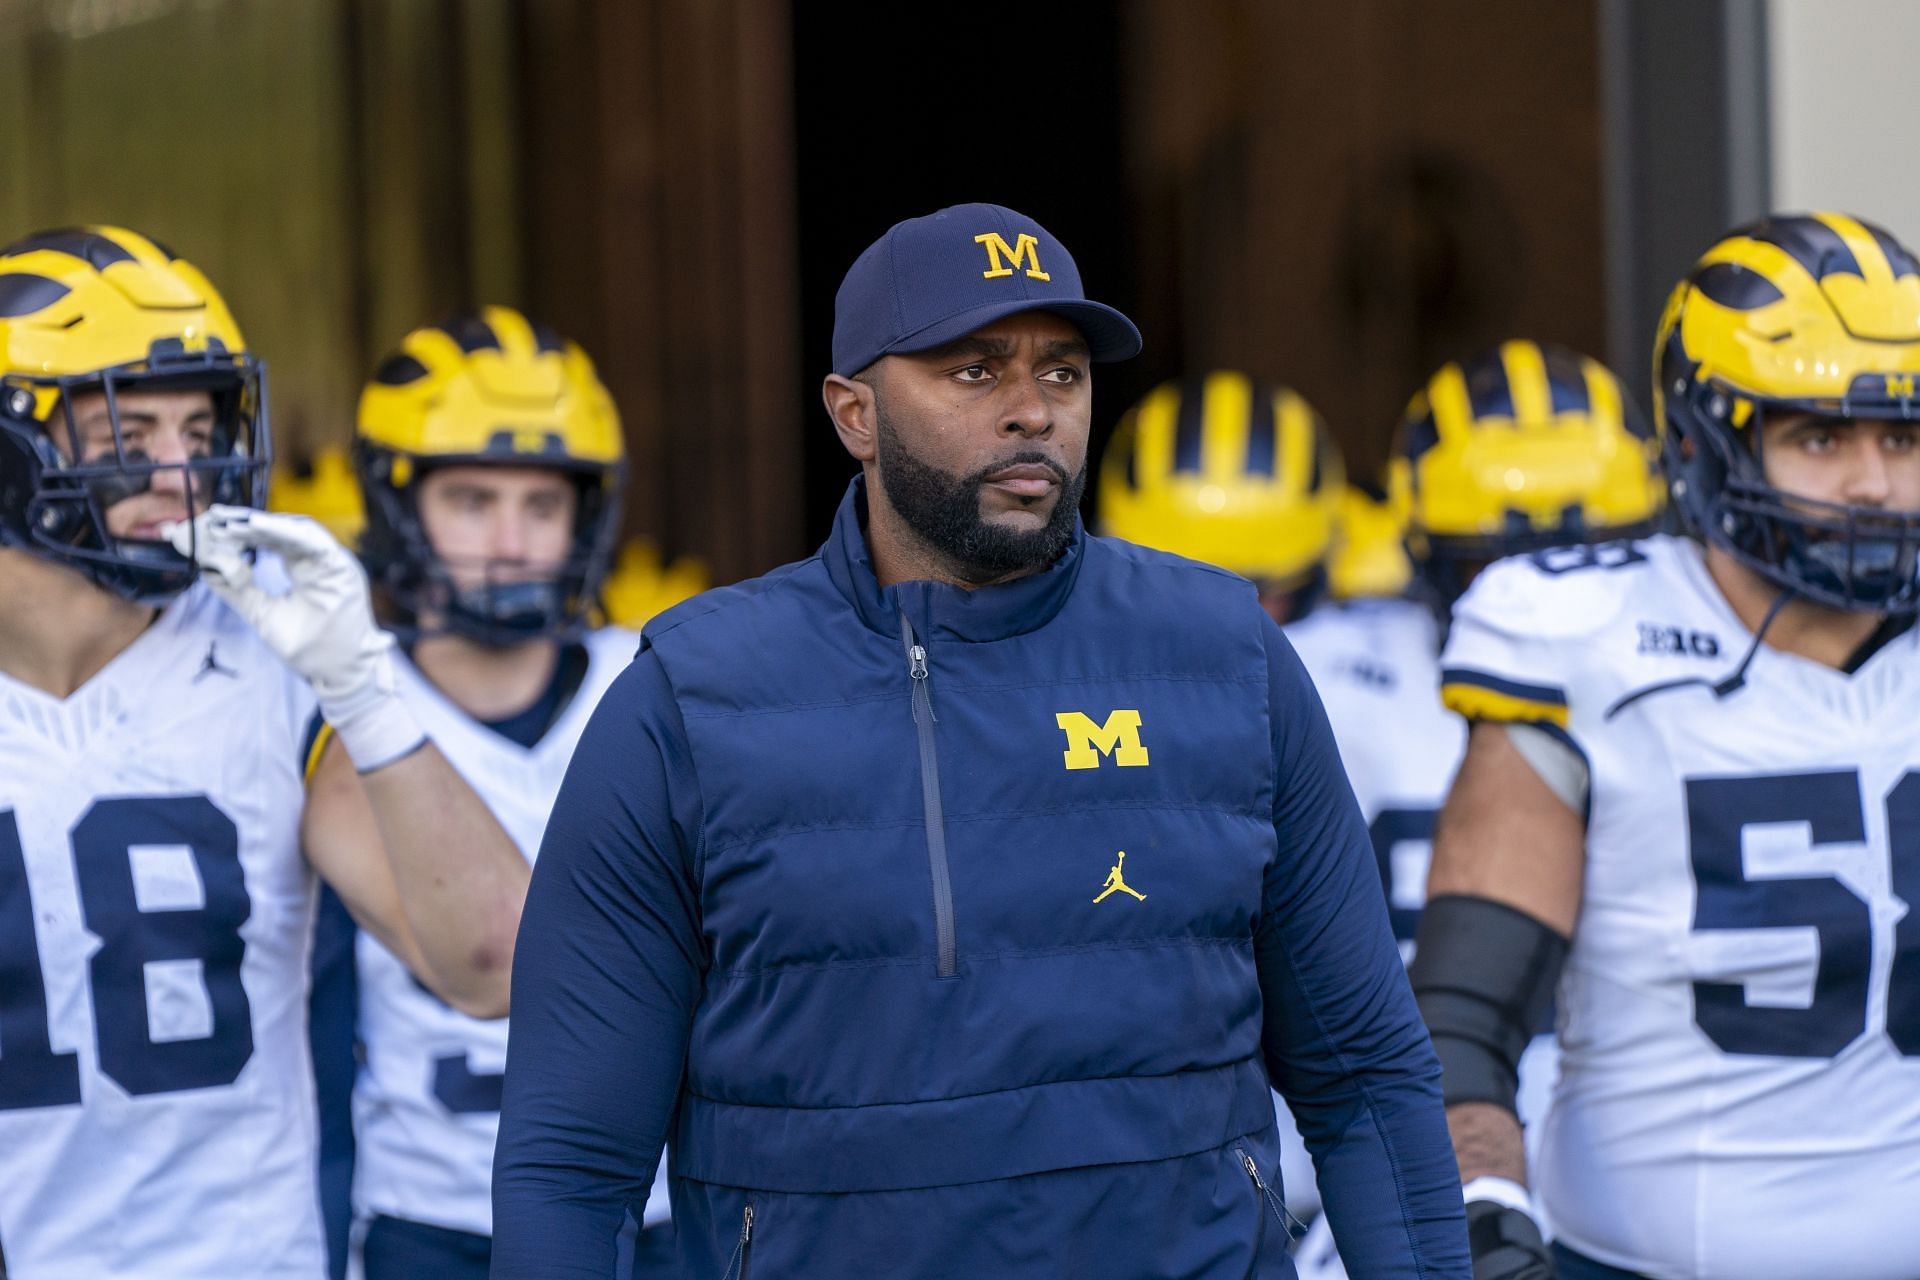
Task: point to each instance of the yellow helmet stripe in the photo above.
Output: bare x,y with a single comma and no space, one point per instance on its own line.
1759,256
145,251
1527,381
434,348
1226,400
513,330
1603,395
1293,423
1452,408
1874,267
1153,444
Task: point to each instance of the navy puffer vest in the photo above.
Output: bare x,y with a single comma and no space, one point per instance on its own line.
930,963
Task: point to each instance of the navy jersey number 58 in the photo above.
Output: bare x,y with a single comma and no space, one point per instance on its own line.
32,1074
1831,806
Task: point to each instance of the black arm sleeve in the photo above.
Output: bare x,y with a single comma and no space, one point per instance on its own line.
1484,975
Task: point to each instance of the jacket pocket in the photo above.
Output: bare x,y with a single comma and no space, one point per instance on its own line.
742,1256
1272,1205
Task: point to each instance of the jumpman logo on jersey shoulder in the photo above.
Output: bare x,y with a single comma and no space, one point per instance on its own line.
210,665
1117,882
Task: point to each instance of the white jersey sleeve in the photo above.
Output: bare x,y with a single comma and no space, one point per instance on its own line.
156,1099
427,1103
1376,667
1740,1011
1523,632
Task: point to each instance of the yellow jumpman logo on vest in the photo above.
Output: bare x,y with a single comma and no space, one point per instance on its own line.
1118,882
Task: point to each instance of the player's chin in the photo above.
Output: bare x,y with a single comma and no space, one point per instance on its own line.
1016,514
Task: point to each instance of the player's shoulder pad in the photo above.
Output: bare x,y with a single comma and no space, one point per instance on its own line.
1563,594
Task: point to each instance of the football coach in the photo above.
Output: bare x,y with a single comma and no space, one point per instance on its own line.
949,900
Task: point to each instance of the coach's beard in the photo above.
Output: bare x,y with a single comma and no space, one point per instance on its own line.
943,510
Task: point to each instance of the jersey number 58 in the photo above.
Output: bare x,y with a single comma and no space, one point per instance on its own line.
1829,804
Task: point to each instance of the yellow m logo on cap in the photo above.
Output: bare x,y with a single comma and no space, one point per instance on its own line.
1119,737
1024,249
1900,384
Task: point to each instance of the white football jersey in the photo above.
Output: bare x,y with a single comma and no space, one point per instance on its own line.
1376,665
427,1103
1739,1093
156,1096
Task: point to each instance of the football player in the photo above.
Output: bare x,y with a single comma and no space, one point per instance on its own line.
1527,448
156,1106
490,459
1691,798
1233,471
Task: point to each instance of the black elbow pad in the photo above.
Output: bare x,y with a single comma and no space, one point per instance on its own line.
1484,975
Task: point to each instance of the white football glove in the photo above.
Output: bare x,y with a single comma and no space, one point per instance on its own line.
323,627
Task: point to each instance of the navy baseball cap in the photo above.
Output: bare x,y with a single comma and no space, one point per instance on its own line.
933,279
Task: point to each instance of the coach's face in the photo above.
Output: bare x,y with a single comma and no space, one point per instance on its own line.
980,445
1007,406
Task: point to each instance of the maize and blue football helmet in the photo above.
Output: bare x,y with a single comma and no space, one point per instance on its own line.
1232,471
1522,448
490,388
105,310
1815,313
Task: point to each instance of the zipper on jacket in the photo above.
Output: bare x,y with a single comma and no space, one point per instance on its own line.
742,1248
1288,1223
930,802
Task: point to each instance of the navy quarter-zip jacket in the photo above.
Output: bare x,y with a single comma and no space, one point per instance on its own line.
960,934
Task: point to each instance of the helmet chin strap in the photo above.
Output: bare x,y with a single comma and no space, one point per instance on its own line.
1734,682
1727,685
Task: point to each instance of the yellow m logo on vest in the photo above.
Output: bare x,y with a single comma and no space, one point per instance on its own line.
1900,384
1025,249
1119,737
